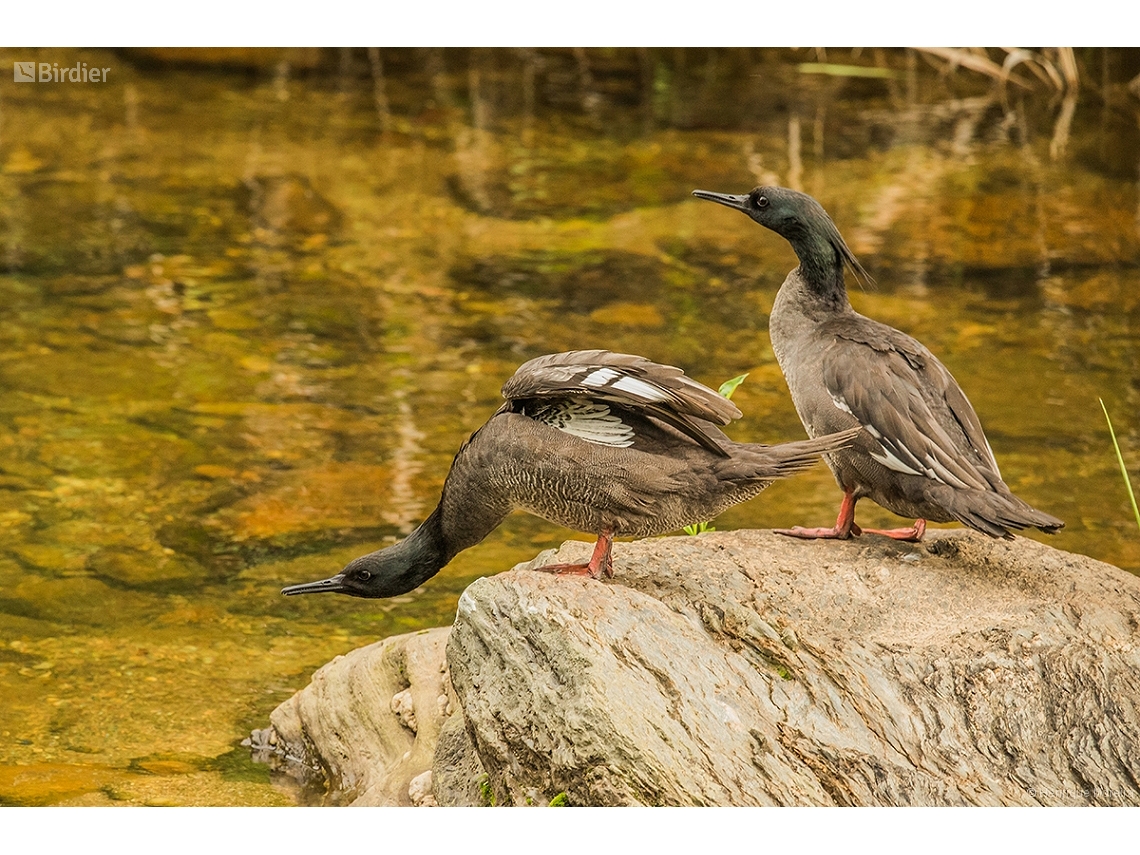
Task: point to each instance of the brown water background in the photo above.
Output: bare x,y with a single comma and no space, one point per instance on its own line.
252,302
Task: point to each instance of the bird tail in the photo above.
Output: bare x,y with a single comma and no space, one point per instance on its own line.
781,461
996,513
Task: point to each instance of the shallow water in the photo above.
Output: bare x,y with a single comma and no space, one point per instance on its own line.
248,314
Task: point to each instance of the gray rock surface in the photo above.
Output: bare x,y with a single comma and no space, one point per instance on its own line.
745,668
367,725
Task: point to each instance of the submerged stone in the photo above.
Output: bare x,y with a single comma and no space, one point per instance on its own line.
146,569
333,496
51,783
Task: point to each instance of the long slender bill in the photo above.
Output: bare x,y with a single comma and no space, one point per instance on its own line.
740,203
331,585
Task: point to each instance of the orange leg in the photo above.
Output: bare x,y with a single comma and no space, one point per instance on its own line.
600,562
913,534
845,526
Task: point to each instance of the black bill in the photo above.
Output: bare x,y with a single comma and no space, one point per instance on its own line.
740,203
331,585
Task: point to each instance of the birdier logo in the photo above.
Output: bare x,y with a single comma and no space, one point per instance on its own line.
50,72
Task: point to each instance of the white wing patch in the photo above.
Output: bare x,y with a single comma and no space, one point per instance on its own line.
887,458
640,389
600,377
841,404
613,379
940,473
892,462
993,460
933,469
586,420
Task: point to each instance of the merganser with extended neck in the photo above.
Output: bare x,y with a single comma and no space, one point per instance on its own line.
602,442
921,452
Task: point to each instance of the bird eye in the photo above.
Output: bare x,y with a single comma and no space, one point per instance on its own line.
761,201
363,575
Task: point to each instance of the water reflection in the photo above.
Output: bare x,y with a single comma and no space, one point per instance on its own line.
249,312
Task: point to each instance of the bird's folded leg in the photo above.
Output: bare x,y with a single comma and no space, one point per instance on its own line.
600,562
844,527
913,534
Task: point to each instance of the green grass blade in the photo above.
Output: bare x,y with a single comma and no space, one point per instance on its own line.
1120,460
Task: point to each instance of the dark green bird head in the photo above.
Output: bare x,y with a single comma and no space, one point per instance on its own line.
803,222
388,572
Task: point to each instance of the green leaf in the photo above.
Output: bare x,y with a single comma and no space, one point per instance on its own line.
1120,460
729,386
560,800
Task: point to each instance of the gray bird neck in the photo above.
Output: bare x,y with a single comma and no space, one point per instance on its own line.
473,501
801,306
793,328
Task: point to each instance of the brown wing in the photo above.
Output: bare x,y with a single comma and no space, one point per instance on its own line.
629,381
909,402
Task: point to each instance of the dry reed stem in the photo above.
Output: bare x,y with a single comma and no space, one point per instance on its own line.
1060,72
974,62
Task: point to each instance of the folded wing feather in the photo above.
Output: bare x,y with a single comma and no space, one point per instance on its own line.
624,380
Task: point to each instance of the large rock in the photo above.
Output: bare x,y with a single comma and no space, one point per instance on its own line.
748,669
365,729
